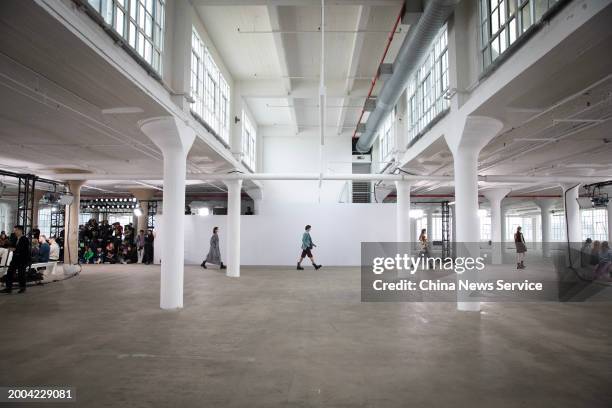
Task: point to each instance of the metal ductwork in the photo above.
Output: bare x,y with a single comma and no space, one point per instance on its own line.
413,48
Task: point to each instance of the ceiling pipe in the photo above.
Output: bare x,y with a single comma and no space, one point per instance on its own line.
412,50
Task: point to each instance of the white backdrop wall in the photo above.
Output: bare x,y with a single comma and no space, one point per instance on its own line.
274,238
283,153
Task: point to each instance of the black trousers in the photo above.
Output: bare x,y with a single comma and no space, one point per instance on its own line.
21,275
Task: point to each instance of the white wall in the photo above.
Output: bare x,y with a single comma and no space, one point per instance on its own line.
283,153
275,238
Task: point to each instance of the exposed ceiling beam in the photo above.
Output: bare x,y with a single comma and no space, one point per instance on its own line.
310,3
282,60
256,88
357,46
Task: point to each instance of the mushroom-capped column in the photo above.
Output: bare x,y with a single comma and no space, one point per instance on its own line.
71,229
495,197
465,141
233,227
174,138
546,206
402,209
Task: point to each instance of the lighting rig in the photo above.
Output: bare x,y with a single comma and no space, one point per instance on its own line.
111,205
596,197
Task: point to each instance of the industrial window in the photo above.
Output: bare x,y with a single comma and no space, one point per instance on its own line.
249,139
428,85
85,217
595,224
120,218
503,21
44,221
485,225
209,89
557,227
387,137
527,228
139,22
435,233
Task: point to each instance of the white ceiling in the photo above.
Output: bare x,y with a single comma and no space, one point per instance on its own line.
53,91
281,41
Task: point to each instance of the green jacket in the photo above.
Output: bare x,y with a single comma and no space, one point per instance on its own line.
307,241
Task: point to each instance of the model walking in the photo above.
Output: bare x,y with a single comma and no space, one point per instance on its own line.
521,248
214,254
307,246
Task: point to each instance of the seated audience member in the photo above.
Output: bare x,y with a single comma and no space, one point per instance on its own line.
99,256
4,240
595,253
132,255
110,256
585,252
54,250
44,249
88,256
34,250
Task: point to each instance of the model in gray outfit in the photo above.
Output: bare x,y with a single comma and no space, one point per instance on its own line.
214,253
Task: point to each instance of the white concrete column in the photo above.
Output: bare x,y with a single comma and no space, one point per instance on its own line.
495,197
404,224
469,136
71,227
545,211
610,221
174,138
234,188
503,211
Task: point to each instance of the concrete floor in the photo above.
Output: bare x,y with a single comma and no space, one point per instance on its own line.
297,339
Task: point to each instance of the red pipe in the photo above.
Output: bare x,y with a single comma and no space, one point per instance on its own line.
373,81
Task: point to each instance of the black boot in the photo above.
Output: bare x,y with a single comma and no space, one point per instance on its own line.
522,265
317,267
299,267
222,266
203,265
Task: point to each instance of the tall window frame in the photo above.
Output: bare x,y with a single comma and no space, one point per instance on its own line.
428,86
210,91
140,23
594,222
502,22
386,136
249,142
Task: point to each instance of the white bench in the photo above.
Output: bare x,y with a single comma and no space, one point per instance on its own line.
5,257
49,268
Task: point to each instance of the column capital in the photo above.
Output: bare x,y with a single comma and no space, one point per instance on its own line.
143,194
569,186
74,185
476,132
496,194
168,133
231,183
545,204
